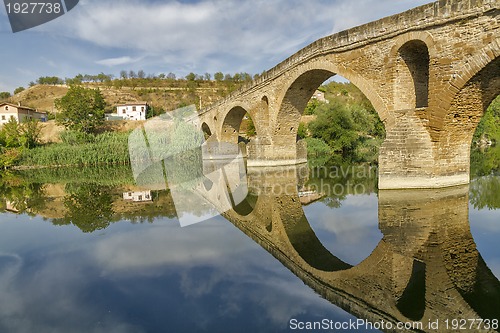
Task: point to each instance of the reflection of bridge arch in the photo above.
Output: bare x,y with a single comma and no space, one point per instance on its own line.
422,276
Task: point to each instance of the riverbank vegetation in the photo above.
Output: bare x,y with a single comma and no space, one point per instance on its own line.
346,127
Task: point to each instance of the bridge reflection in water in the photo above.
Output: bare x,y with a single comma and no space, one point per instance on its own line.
425,268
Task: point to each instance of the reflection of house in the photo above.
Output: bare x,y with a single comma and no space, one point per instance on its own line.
142,196
11,207
307,196
130,111
19,113
320,96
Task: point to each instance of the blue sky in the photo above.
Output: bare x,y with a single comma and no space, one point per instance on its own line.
177,36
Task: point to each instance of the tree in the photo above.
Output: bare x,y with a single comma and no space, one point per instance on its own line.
18,90
4,95
141,74
219,76
123,74
50,80
31,131
10,134
191,76
82,109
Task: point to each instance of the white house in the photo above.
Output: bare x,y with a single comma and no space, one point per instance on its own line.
132,111
142,196
19,113
320,96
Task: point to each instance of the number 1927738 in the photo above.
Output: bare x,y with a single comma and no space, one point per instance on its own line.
34,8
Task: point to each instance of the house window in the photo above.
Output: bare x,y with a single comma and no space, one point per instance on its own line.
133,108
124,111
6,107
142,108
12,118
140,198
3,117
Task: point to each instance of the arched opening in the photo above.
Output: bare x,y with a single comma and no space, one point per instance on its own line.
412,76
331,115
207,133
238,126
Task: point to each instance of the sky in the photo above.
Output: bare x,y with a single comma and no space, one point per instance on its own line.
200,36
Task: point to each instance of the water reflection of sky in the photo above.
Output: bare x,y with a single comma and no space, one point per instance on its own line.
351,231
146,278
485,228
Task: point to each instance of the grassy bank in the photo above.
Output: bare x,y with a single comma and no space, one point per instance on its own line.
78,149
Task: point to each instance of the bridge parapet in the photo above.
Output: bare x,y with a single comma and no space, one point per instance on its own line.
415,19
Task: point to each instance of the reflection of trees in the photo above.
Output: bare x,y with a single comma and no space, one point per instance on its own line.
485,192
336,182
24,196
89,207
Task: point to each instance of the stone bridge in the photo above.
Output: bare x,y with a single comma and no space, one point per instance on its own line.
426,266
430,73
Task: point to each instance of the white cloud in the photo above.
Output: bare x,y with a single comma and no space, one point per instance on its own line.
181,36
118,61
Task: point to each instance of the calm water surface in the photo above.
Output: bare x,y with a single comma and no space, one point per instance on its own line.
77,257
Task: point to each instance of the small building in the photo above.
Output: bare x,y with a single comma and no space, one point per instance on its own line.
132,111
142,196
19,113
320,96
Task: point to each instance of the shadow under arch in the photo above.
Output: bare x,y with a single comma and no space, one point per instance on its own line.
207,133
412,75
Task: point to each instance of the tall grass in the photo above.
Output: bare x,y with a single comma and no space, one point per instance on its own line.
109,148
104,175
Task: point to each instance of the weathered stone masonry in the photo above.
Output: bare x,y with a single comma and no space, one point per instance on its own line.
429,72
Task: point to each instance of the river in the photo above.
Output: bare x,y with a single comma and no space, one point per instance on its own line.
317,248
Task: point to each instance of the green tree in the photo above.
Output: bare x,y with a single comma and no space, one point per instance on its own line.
18,90
30,131
11,134
488,128
219,76
4,95
191,76
81,109
50,80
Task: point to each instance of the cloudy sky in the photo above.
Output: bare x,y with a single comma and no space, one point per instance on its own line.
177,36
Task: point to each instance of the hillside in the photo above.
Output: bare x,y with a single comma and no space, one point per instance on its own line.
42,97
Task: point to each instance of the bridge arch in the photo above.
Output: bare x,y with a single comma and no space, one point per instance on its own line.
207,132
301,86
231,124
463,116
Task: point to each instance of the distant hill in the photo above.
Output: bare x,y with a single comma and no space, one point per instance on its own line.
166,97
